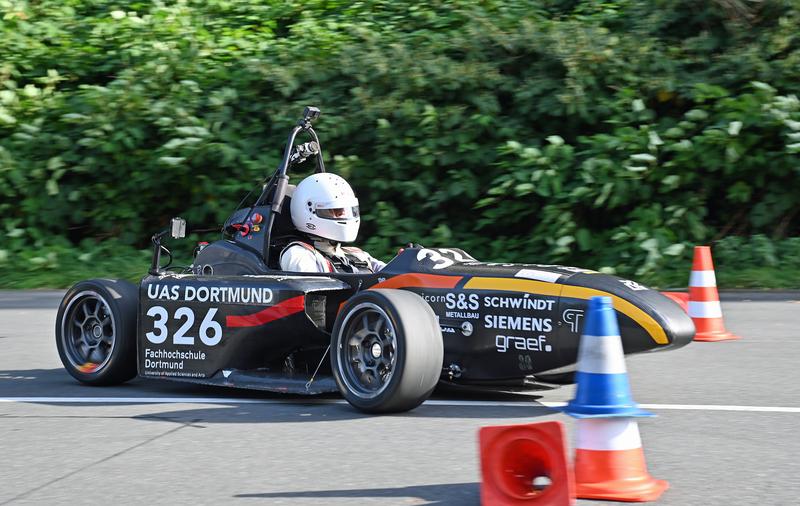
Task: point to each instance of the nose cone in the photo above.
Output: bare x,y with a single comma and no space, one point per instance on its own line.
648,320
677,325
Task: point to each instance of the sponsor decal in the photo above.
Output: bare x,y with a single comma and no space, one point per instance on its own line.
572,317
526,323
214,294
210,331
521,302
525,363
567,268
462,301
439,262
170,359
176,338
173,361
433,298
466,329
462,316
647,322
633,285
448,330
453,302
311,226
504,343
539,275
442,258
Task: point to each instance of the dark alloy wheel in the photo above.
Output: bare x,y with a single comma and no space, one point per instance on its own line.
96,331
370,355
386,351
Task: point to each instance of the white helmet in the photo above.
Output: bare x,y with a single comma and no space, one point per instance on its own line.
324,205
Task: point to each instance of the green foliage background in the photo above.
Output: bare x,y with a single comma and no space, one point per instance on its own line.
609,135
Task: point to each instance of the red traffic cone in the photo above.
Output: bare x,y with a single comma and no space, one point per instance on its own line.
525,464
609,462
704,307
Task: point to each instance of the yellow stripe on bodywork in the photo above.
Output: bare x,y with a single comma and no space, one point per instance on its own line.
573,292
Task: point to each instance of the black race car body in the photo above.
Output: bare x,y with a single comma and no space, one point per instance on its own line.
383,339
502,324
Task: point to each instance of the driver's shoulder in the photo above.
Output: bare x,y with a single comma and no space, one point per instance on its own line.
299,244
299,249
299,256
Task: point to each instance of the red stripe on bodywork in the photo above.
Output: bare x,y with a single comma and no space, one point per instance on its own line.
416,280
276,312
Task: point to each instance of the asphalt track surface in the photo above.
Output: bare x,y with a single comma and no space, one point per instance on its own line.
726,434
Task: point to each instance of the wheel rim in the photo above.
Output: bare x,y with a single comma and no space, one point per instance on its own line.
88,332
367,350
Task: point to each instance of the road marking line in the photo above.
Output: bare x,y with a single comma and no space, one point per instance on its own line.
434,402
715,407
156,400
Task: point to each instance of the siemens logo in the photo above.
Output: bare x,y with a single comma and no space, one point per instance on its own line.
525,323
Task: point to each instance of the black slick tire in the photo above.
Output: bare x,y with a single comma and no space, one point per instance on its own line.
119,301
418,350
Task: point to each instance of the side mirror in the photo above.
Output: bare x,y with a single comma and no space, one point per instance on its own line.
178,228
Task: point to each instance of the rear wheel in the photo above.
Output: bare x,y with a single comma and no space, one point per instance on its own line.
96,331
386,351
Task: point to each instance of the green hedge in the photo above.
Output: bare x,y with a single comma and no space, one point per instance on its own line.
611,135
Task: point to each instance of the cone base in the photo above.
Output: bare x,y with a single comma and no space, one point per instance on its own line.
615,475
715,336
644,489
582,411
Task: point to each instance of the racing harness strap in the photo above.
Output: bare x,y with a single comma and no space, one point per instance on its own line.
353,260
322,262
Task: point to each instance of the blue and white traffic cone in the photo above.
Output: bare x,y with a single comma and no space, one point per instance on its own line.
603,389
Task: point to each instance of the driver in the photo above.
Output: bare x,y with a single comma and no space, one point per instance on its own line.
325,209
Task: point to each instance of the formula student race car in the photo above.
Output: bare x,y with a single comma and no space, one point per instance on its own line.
384,340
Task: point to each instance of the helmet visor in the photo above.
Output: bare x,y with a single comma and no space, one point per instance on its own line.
338,213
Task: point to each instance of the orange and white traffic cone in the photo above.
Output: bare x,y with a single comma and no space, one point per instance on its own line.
609,462
704,307
680,298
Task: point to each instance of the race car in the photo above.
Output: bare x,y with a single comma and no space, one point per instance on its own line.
384,340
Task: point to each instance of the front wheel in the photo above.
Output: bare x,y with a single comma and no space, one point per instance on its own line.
386,351
96,331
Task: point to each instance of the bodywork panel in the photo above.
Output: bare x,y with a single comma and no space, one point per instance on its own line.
501,323
194,326
506,320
